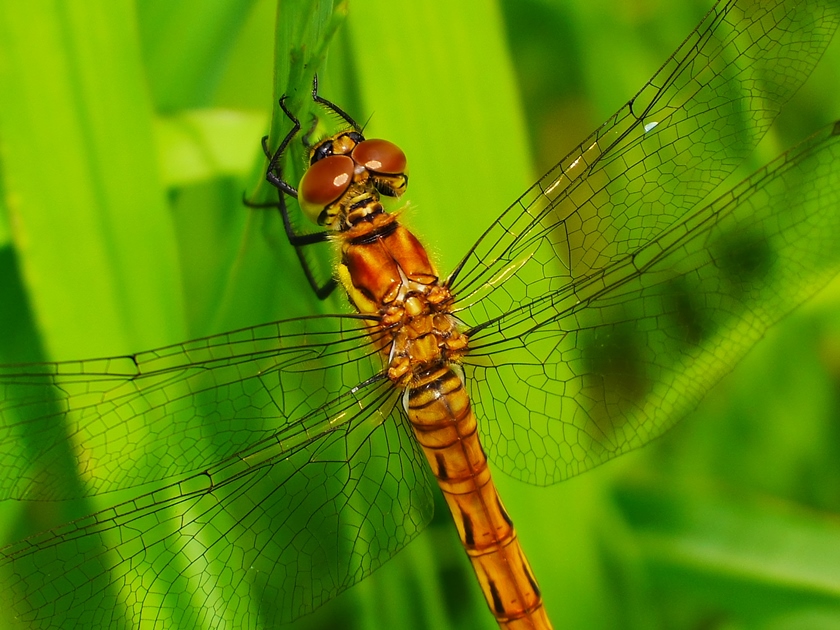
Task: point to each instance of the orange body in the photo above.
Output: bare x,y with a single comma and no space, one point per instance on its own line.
386,272
387,275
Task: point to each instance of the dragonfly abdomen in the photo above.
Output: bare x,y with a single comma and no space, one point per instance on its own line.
445,426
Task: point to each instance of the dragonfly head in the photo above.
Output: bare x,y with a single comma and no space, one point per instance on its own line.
344,167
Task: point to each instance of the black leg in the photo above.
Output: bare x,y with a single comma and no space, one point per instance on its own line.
272,173
274,176
322,291
332,106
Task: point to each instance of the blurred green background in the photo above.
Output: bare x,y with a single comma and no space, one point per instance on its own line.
129,132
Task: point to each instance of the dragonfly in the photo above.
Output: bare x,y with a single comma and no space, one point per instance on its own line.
598,308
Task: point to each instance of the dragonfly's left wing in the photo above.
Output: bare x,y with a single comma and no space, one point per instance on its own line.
263,537
126,421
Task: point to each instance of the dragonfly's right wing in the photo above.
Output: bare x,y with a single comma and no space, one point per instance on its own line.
572,378
659,156
646,169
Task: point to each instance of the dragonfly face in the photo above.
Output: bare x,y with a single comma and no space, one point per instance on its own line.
351,161
668,282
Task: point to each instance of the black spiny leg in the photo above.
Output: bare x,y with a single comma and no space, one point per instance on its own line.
274,177
332,106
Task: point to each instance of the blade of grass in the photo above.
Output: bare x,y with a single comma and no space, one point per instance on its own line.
85,212
201,45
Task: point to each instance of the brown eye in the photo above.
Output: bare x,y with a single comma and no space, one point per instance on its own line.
380,156
323,183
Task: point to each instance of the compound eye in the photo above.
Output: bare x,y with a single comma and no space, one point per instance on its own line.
381,156
323,184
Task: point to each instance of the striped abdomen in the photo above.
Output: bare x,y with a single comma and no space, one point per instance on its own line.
440,413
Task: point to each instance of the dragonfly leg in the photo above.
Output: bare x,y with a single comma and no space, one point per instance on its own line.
332,106
274,176
272,173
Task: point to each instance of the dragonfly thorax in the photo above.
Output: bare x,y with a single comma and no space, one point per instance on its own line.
424,341
387,273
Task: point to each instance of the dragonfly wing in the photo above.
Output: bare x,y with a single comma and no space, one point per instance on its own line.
127,421
569,379
256,540
661,154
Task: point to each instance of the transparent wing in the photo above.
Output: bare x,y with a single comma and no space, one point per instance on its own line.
256,540
168,412
661,154
571,378
655,161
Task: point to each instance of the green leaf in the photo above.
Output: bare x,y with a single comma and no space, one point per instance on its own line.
743,556
92,232
200,145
